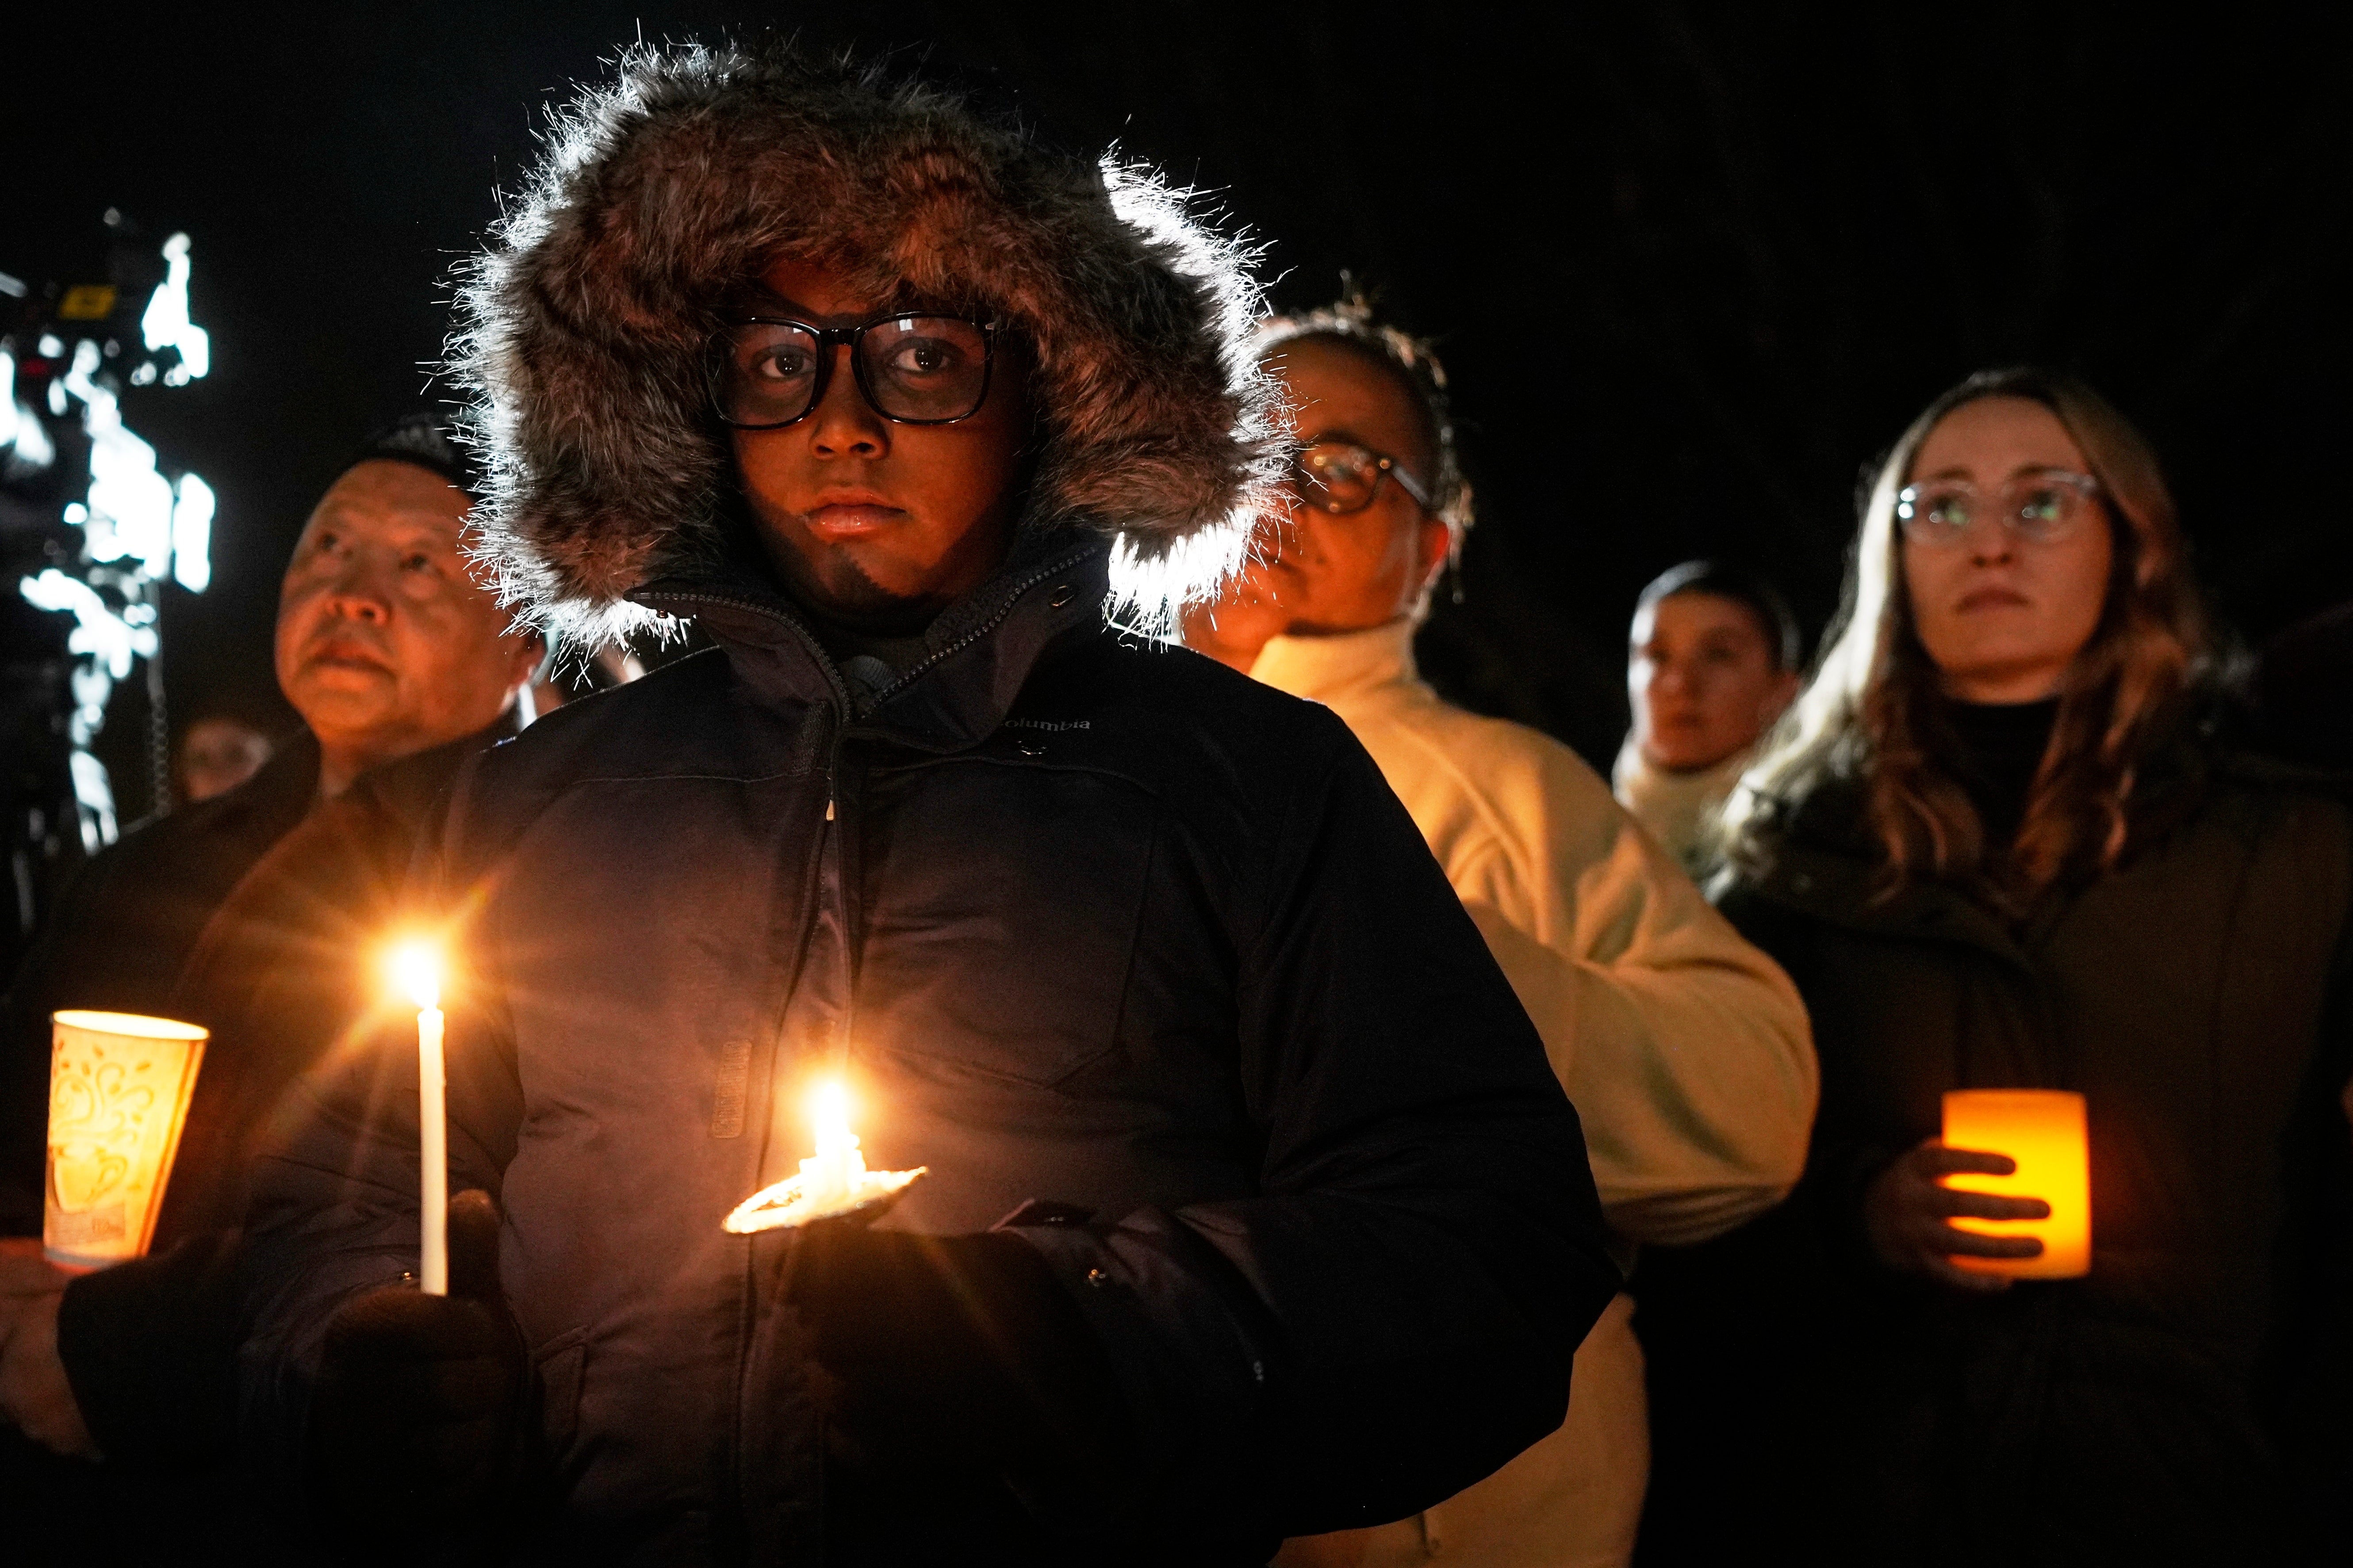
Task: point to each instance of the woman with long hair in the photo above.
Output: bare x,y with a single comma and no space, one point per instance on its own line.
1998,845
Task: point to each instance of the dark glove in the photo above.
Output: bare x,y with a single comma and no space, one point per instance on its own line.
419,1420
959,1350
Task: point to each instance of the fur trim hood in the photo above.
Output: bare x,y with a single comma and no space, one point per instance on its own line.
586,325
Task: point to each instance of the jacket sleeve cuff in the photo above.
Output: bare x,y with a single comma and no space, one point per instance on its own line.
1192,1351
277,1367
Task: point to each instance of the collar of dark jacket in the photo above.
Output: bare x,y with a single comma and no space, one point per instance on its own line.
248,826
407,788
981,648
1823,862
268,805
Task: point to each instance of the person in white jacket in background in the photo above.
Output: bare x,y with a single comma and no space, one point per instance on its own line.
1686,1051
1712,659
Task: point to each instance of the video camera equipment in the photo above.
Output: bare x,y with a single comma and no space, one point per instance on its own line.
91,528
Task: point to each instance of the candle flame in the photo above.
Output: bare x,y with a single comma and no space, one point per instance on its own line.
417,969
828,1107
832,1182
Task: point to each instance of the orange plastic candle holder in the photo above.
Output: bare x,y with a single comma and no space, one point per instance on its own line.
2043,1131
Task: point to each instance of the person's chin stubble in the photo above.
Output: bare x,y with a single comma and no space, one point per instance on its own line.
841,589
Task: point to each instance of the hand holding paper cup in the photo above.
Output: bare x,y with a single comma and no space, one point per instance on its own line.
119,1091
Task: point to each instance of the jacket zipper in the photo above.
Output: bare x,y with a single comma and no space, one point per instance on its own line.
833,846
827,846
824,659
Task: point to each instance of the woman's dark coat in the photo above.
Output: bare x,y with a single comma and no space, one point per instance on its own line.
2180,1404
1091,921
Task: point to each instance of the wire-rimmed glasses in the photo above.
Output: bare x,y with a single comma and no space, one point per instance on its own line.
2042,508
913,369
1340,477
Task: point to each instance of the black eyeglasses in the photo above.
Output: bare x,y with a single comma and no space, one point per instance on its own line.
1340,477
770,371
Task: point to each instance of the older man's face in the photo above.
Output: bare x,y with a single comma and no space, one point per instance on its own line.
386,643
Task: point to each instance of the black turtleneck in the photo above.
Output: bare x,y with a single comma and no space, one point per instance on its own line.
1995,752
869,659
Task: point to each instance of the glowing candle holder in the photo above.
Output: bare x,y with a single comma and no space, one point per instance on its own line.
2043,1131
831,1183
119,1091
417,969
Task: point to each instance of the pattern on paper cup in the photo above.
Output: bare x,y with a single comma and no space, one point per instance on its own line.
119,1088
99,1228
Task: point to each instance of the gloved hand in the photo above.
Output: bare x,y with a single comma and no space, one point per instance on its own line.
959,1350
417,1424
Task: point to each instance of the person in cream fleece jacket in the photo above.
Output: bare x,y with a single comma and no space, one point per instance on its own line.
1686,1050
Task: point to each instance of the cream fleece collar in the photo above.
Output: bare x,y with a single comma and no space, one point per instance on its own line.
1331,670
1674,807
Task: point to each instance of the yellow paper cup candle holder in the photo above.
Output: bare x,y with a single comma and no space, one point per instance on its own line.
2044,1130
119,1091
831,1183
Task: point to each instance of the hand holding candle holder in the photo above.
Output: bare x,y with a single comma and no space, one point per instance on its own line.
2003,1194
2043,1133
418,1422
36,1397
960,1358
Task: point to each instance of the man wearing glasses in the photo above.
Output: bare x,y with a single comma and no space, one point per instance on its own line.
1252,1208
1685,1050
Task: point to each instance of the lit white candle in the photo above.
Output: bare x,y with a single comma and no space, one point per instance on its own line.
837,1170
833,1181
420,976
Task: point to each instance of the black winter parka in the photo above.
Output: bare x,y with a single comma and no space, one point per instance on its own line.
1089,920
2188,1401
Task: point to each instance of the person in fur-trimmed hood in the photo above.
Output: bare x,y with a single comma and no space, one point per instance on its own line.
1253,1207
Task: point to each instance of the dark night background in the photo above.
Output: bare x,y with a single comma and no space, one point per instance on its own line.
1691,265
